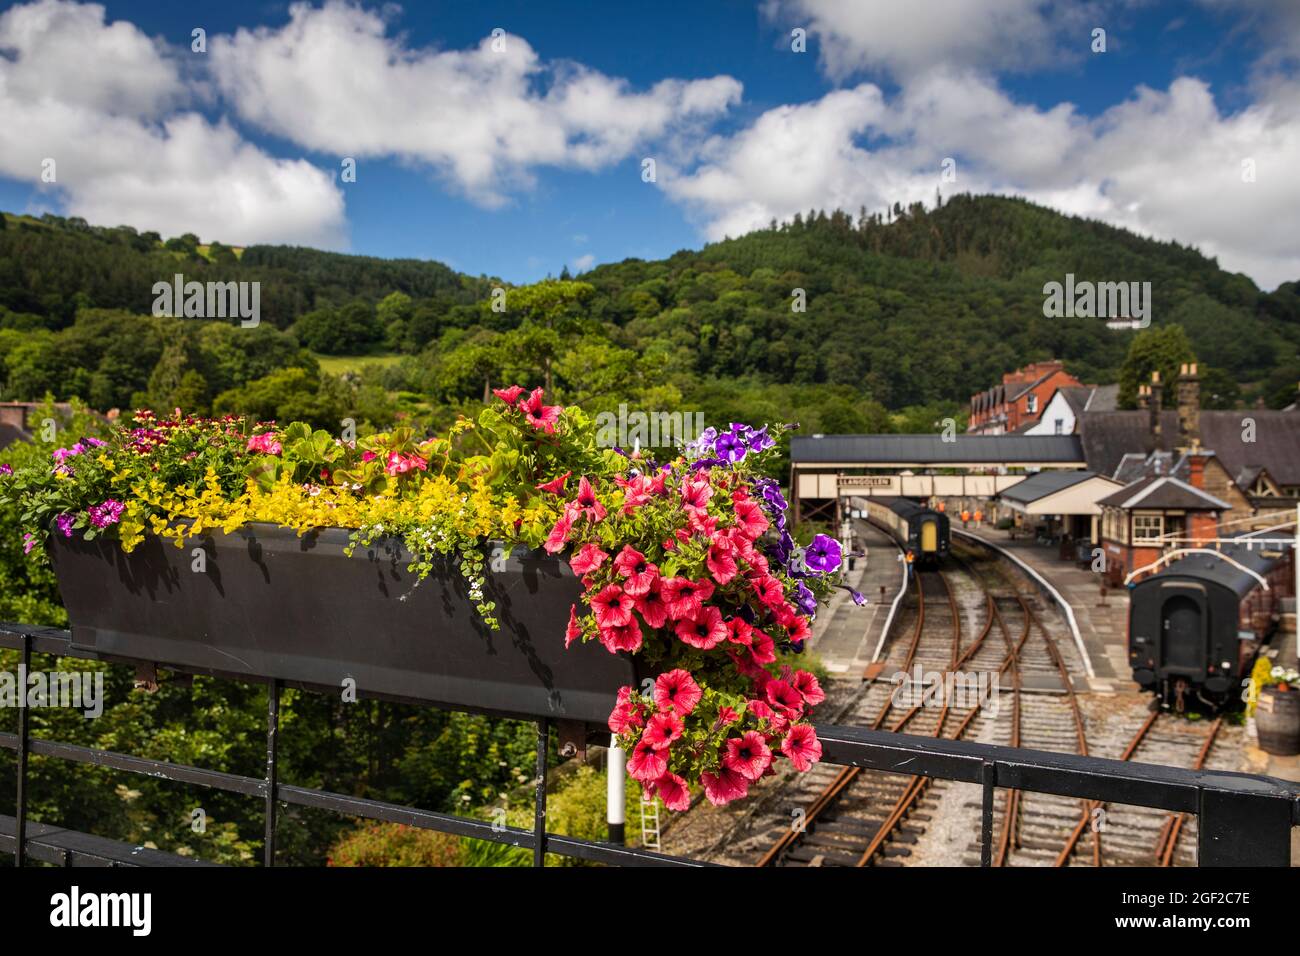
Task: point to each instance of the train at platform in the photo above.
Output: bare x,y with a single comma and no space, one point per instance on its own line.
1197,625
921,531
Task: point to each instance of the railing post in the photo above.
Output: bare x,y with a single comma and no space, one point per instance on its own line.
272,767
24,731
1242,829
539,807
988,775
616,792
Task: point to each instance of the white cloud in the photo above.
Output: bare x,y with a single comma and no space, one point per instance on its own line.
1163,163
906,38
333,80
583,263
100,100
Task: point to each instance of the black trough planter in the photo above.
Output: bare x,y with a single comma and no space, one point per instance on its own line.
273,605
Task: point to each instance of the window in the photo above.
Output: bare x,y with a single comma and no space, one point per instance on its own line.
1032,404
1147,527
1060,426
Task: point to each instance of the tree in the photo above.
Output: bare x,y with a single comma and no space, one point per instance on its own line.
551,312
1161,349
349,330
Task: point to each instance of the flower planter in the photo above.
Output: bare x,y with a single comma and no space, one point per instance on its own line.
267,603
1277,718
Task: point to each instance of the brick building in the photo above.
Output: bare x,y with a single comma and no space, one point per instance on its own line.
1016,404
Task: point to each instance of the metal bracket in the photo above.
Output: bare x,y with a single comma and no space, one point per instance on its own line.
573,738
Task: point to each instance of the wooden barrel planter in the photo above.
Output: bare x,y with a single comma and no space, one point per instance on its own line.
263,602
1277,720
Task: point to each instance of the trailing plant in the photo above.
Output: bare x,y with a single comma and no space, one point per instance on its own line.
687,563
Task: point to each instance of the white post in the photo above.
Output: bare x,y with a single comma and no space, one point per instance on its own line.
1296,596
616,791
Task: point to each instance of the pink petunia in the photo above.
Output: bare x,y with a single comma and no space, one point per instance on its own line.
613,606
721,563
673,792
784,697
768,590
624,717
762,648
558,539
747,754
685,597
640,573
678,691
724,786
705,630
696,492
540,416
586,502
740,631
574,630
750,519
805,682
664,730
646,763
588,559
556,485
651,606
802,746
625,638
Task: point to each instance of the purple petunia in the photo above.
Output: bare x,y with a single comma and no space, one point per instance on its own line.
823,555
806,599
730,447
64,521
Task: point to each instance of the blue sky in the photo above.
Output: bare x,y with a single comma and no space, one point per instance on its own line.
521,160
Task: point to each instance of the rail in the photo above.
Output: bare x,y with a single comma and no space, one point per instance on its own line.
1244,820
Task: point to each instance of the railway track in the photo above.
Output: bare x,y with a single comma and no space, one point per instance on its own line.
854,817
975,620
1047,830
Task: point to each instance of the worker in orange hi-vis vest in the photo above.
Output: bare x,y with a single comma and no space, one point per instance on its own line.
943,506
965,517
979,516
910,557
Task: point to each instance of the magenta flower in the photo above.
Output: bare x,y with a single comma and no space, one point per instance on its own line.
677,690
29,542
724,786
663,730
748,755
646,763
802,747
673,792
264,443
106,513
64,521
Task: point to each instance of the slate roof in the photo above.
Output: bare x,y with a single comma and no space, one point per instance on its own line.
1108,436
1104,398
1163,492
1043,484
1276,446
933,450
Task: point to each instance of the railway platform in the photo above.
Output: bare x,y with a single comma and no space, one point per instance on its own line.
845,635
1103,627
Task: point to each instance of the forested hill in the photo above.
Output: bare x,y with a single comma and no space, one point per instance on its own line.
916,310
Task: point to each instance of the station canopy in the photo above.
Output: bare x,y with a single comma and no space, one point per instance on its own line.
1060,493
934,451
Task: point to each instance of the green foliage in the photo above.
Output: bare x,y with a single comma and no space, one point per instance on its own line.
1157,349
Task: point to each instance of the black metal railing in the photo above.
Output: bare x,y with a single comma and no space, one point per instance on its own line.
1244,819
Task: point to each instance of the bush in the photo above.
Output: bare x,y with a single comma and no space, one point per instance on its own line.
396,844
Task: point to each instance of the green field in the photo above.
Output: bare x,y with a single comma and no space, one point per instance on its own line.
338,364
